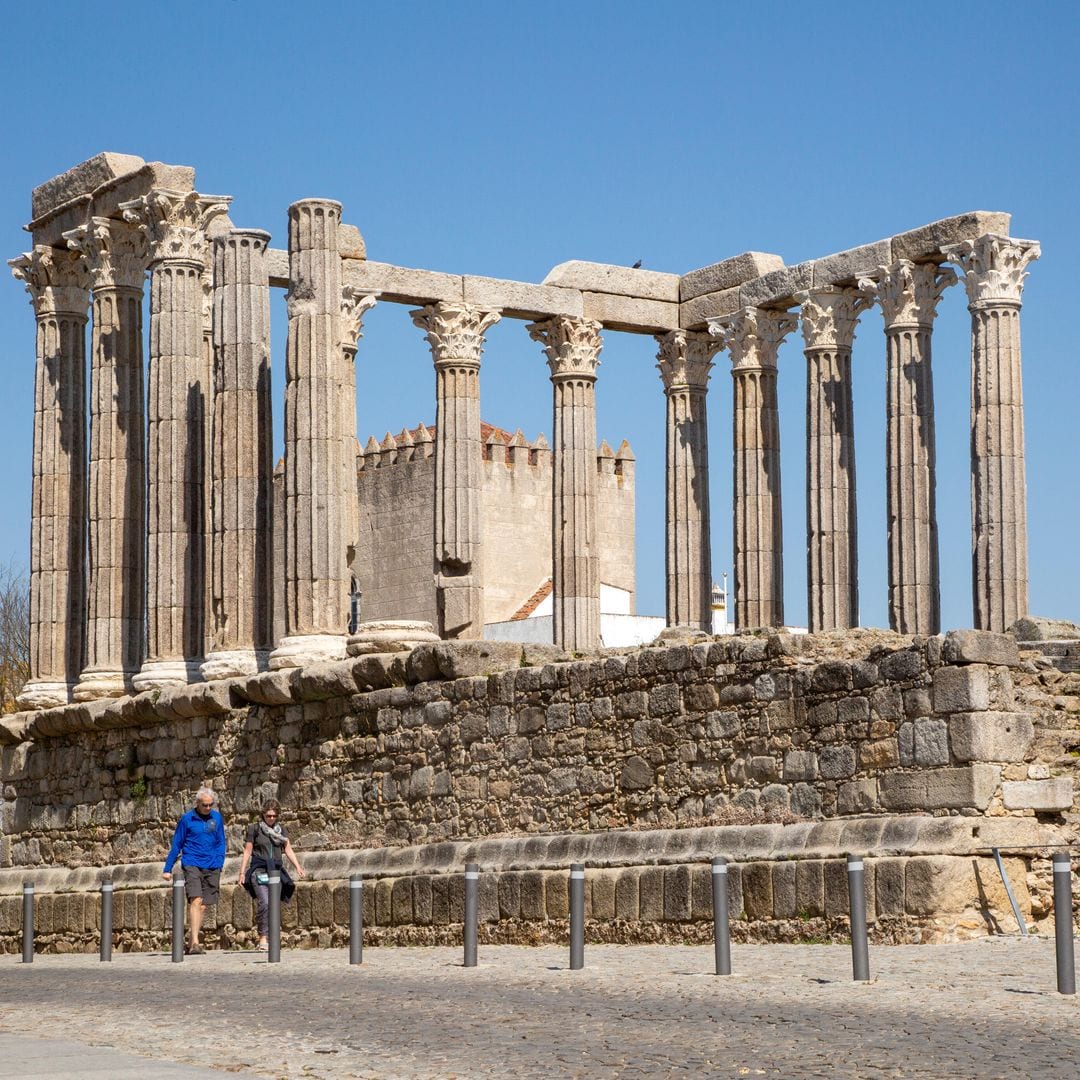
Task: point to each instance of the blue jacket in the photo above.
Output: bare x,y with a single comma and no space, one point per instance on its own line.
201,840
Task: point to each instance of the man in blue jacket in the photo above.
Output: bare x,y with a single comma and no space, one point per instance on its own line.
199,841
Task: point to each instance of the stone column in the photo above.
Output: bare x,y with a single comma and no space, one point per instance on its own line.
116,255
242,557
685,360
316,570
908,294
175,225
455,333
994,272
829,316
58,282
752,337
573,351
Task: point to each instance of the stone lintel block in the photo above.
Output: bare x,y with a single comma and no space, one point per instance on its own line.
695,314
961,689
81,179
980,647
778,288
1048,795
925,243
277,265
843,267
1037,628
630,313
990,736
520,300
964,787
350,242
619,280
402,285
727,274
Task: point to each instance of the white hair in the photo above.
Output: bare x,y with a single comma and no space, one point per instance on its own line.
205,792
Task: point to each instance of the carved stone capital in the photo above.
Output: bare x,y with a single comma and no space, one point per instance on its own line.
995,267
753,336
116,252
56,279
685,359
355,303
175,223
572,346
829,315
909,292
455,332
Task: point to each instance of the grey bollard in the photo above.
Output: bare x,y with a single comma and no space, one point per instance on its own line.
472,876
28,922
177,920
273,920
356,919
860,951
721,928
106,920
577,916
1063,924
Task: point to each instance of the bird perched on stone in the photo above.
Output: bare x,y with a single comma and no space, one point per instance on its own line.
636,266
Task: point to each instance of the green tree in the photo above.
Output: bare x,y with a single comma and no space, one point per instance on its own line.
14,633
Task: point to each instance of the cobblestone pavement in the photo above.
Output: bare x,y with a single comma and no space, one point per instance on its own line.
981,1009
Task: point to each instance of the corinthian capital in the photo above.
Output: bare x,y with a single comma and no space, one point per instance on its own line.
175,223
455,332
115,251
355,303
995,267
909,292
829,315
753,336
572,346
685,359
56,279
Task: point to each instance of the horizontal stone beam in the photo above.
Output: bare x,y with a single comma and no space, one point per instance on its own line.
82,179
728,274
619,280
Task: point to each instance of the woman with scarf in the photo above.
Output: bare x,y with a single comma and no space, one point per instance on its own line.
266,846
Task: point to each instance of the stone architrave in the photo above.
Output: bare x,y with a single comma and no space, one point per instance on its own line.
58,282
455,333
180,399
573,349
685,360
240,632
752,337
829,317
908,294
315,542
995,268
117,256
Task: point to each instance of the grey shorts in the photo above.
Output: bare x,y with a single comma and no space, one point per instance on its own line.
202,884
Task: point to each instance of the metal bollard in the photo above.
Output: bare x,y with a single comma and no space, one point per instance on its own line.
356,919
28,922
177,920
577,916
273,936
472,876
860,952
106,920
1063,924
721,929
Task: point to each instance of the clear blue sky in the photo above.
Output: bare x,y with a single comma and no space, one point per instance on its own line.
501,139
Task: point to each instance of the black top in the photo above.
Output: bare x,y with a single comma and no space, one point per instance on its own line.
265,855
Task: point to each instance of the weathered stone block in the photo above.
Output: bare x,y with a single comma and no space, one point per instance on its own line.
557,894
961,689
701,885
806,801
651,889
631,314
879,754
627,895
728,274
844,266
401,284
966,787
401,906
902,665
928,240
757,890
533,905
800,765
620,280
938,884
695,314
857,797
810,887
980,647
82,179
602,894
930,742
785,901
636,774
777,286
990,736
676,893
520,300
1044,795
837,762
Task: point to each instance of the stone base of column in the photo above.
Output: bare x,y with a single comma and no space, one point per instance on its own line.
161,674
101,684
306,649
230,663
43,694
389,635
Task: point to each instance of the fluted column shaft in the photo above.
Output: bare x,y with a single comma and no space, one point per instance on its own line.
59,285
116,586
832,550
242,561
908,294
316,570
752,337
685,360
994,275
456,335
573,351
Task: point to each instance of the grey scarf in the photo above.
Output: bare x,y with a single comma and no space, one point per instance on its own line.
273,834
